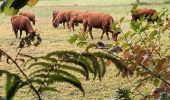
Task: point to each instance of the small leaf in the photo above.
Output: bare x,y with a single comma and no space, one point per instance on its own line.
156,82
134,6
73,39
127,34
124,45
152,34
121,19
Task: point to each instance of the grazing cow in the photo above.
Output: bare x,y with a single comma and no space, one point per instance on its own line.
149,14
77,17
99,20
62,17
55,13
21,23
29,15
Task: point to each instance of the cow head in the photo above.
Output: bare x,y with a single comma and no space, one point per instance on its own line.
54,15
55,23
115,35
33,22
32,34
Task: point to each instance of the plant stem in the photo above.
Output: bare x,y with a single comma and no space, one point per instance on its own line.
30,84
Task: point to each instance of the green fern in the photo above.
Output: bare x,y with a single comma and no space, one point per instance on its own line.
60,78
51,89
13,84
119,65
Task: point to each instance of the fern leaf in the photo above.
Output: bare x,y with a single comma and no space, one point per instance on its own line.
12,90
80,63
103,66
39,71
59,78
119,65
95,64
42,64
72,68
51,89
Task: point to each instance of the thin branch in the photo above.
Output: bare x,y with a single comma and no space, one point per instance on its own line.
30,84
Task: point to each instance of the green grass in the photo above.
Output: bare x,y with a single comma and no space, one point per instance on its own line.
56,39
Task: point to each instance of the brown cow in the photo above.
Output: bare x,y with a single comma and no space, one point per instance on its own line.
149,14
62,17
55,13
99,20
77,17
29,15
21,23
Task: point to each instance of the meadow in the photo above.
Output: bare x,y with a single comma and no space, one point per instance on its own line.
56,39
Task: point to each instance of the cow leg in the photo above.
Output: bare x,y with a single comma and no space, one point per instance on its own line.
20,34
16,33
64,25
107,34
102,34
27,33
71,25
90,32
67,25
84,27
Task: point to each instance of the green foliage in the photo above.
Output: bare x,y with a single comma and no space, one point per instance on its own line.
81,39
122,94
11,7
142,51
13,84
73,38
164,96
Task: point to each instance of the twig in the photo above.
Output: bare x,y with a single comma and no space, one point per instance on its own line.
30,84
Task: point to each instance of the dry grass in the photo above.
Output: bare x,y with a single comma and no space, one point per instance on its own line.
56,39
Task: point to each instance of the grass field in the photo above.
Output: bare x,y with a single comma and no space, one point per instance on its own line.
56,39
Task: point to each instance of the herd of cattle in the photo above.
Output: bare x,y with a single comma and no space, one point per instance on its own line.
89,19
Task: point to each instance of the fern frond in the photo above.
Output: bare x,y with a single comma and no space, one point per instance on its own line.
12,84
63,54
43,64
102,70
59,78
73,68
90,46
39,71
51,60
119,65
95,64
80,63
14,87
51,89
65,74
